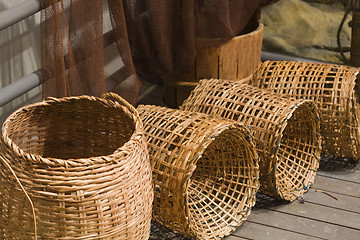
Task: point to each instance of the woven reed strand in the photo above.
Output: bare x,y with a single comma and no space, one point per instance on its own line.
332,87
205,171
84,163
284,130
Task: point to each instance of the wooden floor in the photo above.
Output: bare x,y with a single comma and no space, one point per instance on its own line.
330,210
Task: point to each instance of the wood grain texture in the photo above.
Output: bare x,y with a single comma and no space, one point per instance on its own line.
337,186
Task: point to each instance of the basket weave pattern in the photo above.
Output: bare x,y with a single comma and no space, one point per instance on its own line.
284,130
205,171
83,162
332,87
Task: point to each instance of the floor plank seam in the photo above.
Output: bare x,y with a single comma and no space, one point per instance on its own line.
284,229
314,219
337,208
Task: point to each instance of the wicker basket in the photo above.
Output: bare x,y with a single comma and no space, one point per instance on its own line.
74,168
205,171
332,87
235,60
284,130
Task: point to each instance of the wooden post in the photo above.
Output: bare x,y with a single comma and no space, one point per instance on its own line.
355,39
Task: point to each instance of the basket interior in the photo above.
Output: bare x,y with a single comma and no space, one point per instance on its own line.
79,128
297,163
223,186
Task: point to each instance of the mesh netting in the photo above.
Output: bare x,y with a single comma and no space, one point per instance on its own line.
72,56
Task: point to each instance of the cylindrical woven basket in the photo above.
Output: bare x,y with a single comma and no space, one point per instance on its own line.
205,171
285,131
75,168
235,60
332,87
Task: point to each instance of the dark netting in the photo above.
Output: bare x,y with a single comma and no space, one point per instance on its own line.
163,35
71,48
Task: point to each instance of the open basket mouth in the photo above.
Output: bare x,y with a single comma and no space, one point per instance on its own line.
285,131
70,128
205,171
221,191
297,152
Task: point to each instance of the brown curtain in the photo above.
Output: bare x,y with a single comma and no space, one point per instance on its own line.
71,48
72,58
162,35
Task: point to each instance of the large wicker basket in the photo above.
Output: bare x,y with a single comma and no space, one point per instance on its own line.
285,131
205,171
74,168
332,87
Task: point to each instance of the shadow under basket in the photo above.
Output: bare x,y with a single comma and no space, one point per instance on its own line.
332,87
74,168
205,171
285,131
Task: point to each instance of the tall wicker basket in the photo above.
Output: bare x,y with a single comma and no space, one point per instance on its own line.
74,168
205,171
332,87
285,131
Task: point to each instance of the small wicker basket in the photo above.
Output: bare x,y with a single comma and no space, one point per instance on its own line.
205,171
332,87
285,131
75,168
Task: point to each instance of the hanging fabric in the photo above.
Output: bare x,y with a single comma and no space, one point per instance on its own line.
162,36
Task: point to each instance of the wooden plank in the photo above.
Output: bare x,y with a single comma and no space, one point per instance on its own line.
337,186
236,238
207,62
302,225
352,175
321,213
344,202
228,61
257,231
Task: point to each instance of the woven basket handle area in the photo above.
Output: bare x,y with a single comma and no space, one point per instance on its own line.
114,96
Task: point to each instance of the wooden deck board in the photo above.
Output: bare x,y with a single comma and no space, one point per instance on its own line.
343,202
301,225
255,230
346,175
316,215
321,213
332,185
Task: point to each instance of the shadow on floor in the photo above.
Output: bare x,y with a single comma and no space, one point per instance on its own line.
159,232
331,163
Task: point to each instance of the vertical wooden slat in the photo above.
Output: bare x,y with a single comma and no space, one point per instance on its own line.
207,62
355,39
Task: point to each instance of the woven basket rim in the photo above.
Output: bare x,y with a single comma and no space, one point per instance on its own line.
36,158
289,114
206,142
315,113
